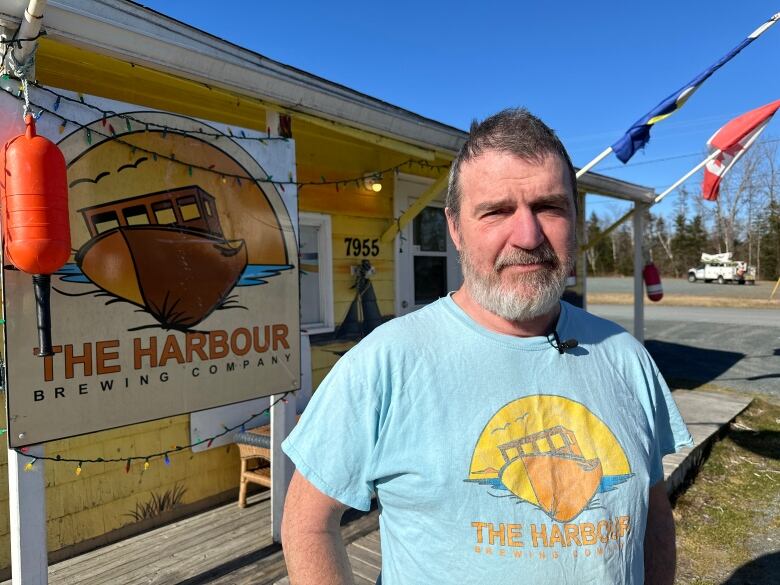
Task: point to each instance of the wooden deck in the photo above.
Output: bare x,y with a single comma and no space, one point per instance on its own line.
224,546
365,558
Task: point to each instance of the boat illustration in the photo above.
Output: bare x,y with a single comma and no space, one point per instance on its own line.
165,252
563,481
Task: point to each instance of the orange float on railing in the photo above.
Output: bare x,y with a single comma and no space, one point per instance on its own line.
35,210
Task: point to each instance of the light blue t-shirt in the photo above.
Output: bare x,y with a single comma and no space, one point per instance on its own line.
495,459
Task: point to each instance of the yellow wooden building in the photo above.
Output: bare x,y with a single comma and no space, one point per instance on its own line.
121,50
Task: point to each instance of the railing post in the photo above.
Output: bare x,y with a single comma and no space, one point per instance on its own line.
639,264
27,502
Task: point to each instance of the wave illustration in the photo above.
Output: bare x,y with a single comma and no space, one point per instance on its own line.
253,274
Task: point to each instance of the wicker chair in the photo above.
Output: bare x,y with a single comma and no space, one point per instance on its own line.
254,448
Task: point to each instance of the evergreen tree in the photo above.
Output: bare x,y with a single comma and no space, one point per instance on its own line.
770,243
623,250
689,241
600,255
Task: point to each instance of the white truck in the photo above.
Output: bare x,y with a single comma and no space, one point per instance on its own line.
721,268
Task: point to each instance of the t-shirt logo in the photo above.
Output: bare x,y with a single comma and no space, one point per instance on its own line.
550,452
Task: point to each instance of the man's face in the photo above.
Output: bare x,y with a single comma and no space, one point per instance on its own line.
515,236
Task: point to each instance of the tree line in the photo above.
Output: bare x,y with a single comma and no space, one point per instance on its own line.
745,220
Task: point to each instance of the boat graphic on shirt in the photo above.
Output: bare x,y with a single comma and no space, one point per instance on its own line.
550,452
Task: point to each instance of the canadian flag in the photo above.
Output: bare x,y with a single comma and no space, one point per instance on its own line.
732,141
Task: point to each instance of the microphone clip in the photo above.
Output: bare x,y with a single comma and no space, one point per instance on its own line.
562,346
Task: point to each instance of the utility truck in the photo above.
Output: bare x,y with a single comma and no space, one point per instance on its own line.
721,268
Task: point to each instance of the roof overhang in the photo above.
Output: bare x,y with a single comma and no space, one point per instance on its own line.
140,35
602,185
134,33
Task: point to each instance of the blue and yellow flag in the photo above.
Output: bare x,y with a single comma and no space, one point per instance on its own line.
639,133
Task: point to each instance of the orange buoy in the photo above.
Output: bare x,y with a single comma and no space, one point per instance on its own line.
653,286
37,229
36,224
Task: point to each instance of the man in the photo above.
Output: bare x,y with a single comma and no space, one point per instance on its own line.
500,450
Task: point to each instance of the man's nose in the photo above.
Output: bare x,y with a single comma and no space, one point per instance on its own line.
526,231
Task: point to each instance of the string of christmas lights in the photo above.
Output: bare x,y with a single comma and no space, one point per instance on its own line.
148,458
18,42
111,133
60,97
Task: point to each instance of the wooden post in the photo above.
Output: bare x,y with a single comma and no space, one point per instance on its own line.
272,122
282,422
282,418
27,501
582,256
639,264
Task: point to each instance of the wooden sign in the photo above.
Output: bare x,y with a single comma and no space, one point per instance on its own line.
182,290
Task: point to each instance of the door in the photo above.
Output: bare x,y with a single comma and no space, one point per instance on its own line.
426,260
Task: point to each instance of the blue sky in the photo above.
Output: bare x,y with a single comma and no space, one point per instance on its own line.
589,69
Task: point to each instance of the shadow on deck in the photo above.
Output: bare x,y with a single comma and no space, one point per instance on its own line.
225,545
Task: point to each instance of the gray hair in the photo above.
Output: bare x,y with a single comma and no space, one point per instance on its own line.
513,131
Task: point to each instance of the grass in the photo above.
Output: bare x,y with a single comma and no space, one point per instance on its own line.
727,519
158,503
671,300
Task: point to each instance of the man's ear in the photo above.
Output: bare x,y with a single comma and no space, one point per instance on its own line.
452,225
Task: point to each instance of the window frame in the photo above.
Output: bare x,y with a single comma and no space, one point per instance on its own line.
407,190
325,262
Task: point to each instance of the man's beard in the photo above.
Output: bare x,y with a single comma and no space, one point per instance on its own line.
520,296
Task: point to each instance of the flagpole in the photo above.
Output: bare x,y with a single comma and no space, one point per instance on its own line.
687,175
666,108
594,162
762,29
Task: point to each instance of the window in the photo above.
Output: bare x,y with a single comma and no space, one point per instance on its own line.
429,237
426,260
105,221
315,257
188,208
430,230
163,212
136,215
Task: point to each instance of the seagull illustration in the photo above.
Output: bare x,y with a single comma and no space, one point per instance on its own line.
132,165
501,428
86,180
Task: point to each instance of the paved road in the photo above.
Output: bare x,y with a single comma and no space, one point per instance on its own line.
678,286
723,316
737,348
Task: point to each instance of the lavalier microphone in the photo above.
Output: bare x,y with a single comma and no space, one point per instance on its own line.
563,346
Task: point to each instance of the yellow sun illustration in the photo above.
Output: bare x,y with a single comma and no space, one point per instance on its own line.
548,423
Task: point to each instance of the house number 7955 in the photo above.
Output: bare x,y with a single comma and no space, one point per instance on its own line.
364,247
